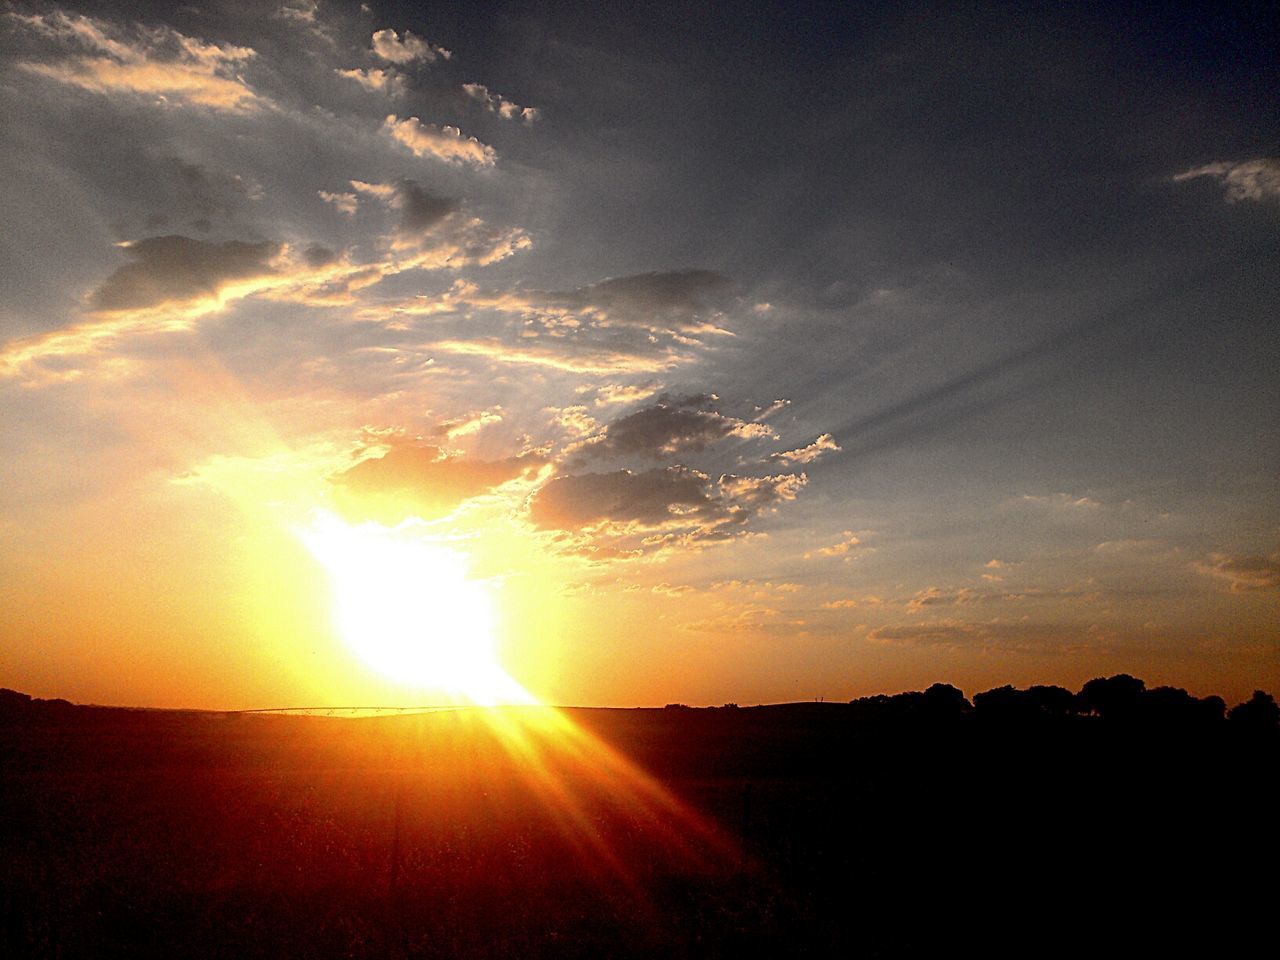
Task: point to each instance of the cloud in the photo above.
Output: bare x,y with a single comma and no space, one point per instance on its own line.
849,603
562,355
390,46
675,300
651,499
671,426
381,81
443,143
1256,180
576,421
802,455
345,203
499,104
654,509
841,548
1008,637
421,480
419,210
656,302
156,62
617,393
935,633
175,269
1245,574
747,618
933,596
177,279
652,323
469,423
1060,501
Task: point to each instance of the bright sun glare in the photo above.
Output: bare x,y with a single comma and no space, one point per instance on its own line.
409,611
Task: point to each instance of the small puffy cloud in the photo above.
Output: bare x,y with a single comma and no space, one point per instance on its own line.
576,421
762,493
444,143
155,62
379,81
1244,574
1256,180
421,480
345,203
850,603
671,426
394,48
469,423
808,454
671,590
934,596
500,105
841,548
175,269
617,393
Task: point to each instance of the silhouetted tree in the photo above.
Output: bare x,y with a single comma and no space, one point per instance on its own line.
941,703
1052,701
1113,698
1259,713
1001,703
945,701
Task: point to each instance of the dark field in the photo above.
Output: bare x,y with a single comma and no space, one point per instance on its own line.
795,830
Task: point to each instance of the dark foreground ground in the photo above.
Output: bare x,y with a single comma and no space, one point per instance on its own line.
839,830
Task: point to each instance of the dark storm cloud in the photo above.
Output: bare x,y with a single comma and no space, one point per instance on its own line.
319,256
421,480
419,209
175,269
651,498
671,426
662,508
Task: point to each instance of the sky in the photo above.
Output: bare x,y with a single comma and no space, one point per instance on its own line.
658,352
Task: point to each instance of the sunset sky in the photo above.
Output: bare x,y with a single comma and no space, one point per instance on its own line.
675,353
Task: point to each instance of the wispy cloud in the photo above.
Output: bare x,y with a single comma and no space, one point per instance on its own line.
1255,180
158,62
1245,574
500,105
395,48
444,143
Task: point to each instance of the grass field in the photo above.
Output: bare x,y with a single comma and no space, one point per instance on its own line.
800,830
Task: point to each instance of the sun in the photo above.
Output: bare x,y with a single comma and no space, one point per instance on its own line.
407,608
